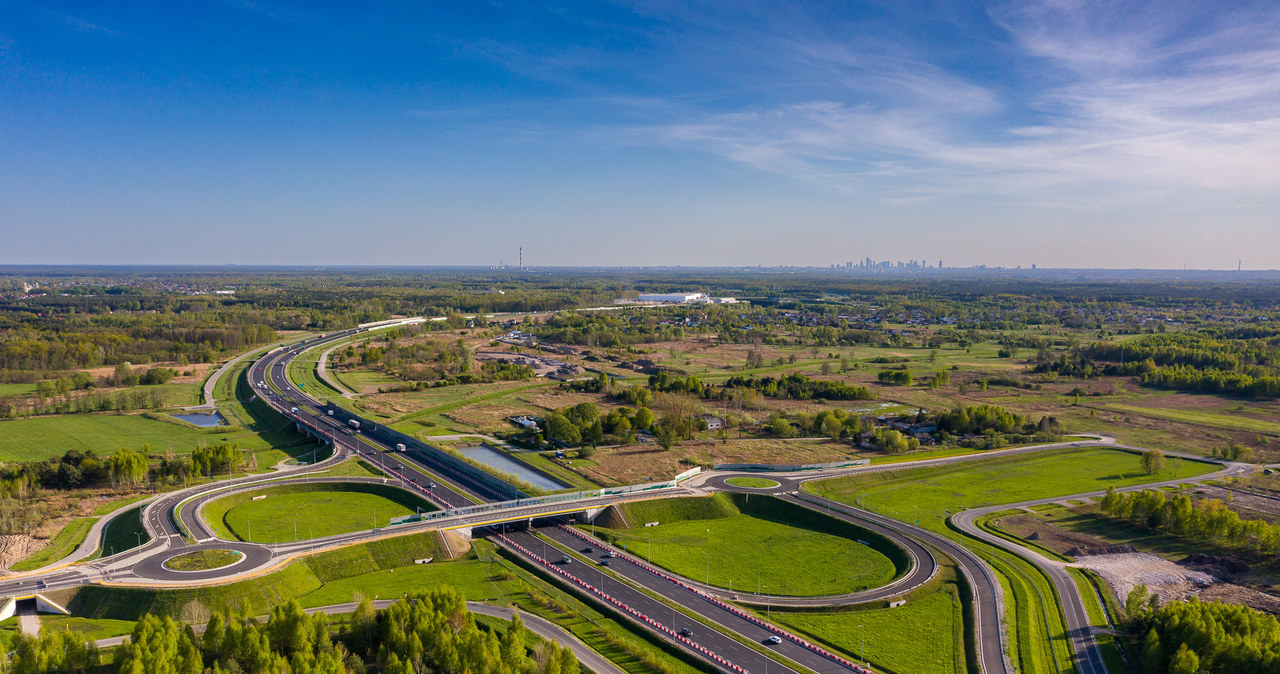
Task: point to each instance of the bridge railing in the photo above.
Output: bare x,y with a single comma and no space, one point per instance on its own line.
556,498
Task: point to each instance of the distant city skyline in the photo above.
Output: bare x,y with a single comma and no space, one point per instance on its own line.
1068,134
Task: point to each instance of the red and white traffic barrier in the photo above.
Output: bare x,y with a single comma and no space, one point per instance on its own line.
706,652
724,605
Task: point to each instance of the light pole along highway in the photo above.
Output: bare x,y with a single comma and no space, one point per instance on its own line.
453,485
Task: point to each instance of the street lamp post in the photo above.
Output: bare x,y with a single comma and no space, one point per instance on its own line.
708,555
863,651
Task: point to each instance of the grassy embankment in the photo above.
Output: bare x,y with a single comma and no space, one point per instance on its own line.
932,494
123,532
309,510
923,637
745,542
63,544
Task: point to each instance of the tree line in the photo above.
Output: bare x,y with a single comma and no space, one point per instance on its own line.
423,632
1194,637
1199,519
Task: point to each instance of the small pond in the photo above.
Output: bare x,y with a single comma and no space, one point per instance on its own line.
203,419
503,464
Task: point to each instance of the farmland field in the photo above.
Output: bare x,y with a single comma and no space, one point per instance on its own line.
43,437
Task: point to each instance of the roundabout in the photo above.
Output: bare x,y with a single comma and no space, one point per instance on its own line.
753,482
204,560
161,567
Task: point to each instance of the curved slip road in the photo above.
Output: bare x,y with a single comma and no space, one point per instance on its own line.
268,377
1079,627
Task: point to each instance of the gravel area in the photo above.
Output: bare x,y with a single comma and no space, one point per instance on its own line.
1164,578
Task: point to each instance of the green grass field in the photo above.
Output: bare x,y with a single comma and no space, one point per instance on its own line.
752,482
357,380
302,372
17,389
1199,418
922,637
62,545
203,560
316,510
38,438
741,550
755,541
933,492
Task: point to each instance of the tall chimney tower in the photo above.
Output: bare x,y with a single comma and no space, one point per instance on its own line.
521,258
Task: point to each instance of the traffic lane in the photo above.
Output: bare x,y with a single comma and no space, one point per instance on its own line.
152,567
923,566
988,620
726,647
1079,627
692,601
192,515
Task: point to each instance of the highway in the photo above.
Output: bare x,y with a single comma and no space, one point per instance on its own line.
1079,628
175,524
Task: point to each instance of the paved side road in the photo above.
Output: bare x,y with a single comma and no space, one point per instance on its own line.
988,597
1079,628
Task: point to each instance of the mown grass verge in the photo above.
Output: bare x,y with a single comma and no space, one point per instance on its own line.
123,532
317,509
63,544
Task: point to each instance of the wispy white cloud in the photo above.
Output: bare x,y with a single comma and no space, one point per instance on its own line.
88,27
1126,103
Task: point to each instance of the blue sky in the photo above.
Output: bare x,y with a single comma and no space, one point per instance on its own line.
1061,133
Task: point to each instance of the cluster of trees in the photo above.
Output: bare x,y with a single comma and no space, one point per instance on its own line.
897,377
1194,637
836,424
1188,378
980,419
800,387
582,424
576,425
439,362
87,341
1201,519
890,441
210,460
1234,361
424,632
412,359
125,400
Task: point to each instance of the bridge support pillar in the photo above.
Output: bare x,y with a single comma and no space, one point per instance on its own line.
592,514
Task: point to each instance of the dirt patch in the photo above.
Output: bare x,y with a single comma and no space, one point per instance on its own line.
1164,578
630,464
1046,535
17,547
1238,594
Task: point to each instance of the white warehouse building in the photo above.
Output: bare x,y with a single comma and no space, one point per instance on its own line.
672,297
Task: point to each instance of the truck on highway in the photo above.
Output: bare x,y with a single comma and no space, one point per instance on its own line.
399,446
293,409
354,424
